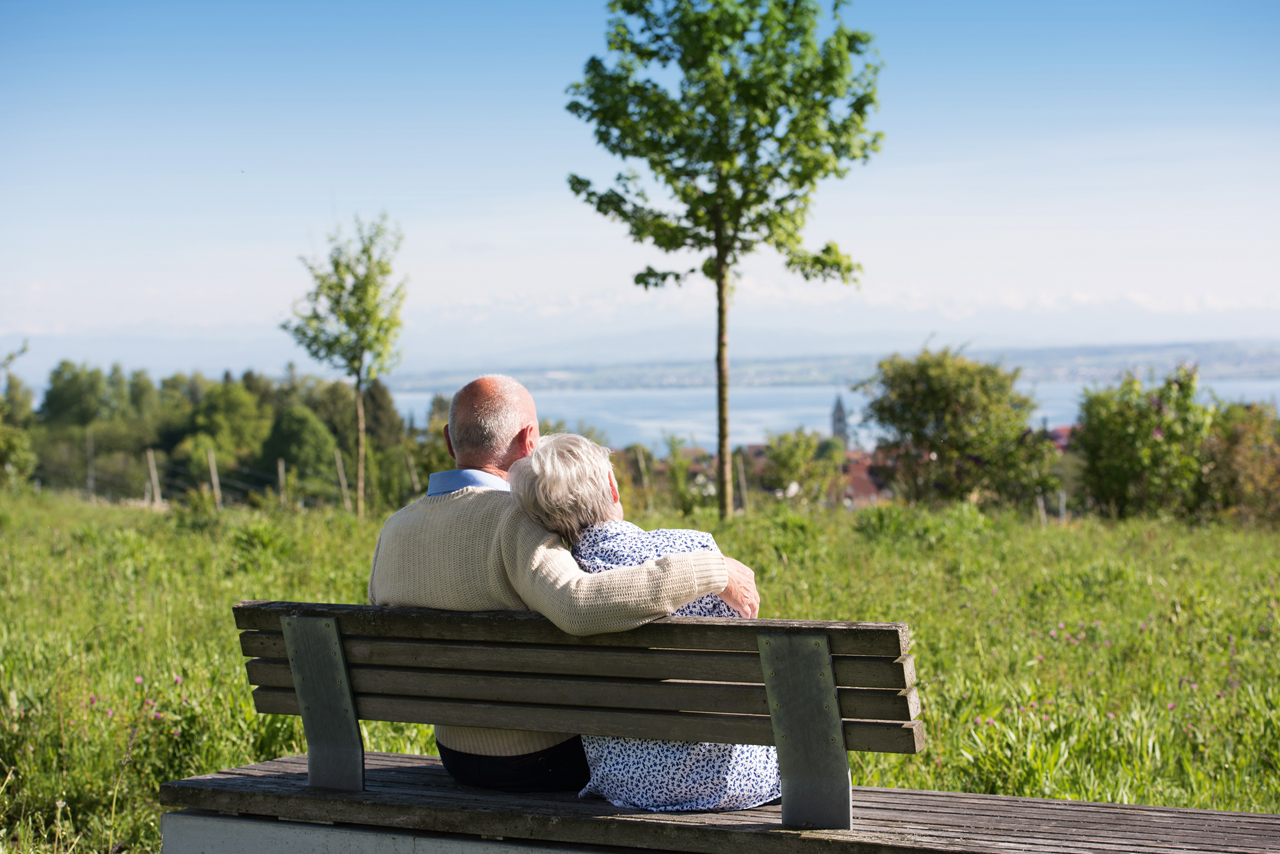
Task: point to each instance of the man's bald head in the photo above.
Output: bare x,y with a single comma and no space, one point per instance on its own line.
486,417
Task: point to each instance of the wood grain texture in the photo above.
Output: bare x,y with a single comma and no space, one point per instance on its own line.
724,697
850,670
414,793
846,638
875,736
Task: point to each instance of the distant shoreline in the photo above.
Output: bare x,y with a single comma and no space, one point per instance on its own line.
1099,364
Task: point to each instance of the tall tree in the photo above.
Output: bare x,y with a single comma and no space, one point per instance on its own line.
760,112
352,317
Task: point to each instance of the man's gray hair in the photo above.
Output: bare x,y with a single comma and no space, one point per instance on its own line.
489,426
564,484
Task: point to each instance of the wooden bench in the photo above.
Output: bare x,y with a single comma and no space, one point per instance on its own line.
813,689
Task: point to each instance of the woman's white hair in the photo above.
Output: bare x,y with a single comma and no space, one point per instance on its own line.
564,484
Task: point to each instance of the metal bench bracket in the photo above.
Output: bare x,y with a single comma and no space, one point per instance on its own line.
335,748
807,730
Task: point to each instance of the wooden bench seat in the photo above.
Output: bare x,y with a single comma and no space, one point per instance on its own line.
813,689
408,795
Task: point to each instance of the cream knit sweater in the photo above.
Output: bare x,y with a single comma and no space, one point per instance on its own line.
476,550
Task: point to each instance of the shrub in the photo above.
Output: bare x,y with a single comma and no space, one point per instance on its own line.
1241,462
1142,447
800,466
956,428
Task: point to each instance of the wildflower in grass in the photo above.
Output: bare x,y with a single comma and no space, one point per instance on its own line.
137,680
991,721
111,713
1039,658
1033,704
177,680
157,716
1053,633
1111,715
93,700
978,720
1171,706
1097,624
1046,717
1062,625
1107,644
1195,687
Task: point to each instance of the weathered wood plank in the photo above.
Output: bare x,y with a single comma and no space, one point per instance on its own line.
723,697
877,736
901,807
850,670
415,793
846,638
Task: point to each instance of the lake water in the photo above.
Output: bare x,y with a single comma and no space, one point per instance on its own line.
645,415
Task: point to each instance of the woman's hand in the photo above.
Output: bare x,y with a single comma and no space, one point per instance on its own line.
740,593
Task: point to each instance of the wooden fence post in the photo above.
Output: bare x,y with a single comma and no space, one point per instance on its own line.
155,478
1062,507
742,479
1044,519
88,452
342,479
280,477
213,477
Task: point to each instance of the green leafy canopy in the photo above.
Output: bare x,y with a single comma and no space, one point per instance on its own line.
763,111
351,318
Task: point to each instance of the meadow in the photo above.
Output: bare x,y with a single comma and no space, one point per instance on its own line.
1132,662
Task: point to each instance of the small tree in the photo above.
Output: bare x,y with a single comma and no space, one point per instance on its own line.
955,427
352,317
1142,447
763,112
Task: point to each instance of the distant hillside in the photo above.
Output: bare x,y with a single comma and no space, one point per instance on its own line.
1217,360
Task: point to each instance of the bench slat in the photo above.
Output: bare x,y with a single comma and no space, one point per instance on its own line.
877,736
845,638
850,671
727,698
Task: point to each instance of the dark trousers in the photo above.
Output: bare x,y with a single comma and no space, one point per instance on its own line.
560,768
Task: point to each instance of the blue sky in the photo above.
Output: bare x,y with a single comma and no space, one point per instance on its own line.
1052,174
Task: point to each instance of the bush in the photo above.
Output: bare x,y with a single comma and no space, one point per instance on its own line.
1142,447
800,466
1241,462
17,462
955,428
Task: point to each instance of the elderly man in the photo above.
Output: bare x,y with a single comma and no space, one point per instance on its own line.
467,546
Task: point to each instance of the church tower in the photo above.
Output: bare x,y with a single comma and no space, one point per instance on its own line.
840,423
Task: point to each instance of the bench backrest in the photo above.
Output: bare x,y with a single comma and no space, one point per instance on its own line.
828,686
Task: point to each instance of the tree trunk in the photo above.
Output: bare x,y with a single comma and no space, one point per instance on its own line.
724,464
359,450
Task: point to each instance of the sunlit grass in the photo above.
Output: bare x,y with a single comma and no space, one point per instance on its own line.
1132,662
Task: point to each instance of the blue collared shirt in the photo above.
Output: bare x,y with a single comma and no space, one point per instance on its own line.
444,482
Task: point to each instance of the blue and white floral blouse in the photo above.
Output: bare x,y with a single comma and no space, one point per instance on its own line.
670,775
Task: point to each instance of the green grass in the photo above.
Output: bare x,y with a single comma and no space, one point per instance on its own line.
1133,662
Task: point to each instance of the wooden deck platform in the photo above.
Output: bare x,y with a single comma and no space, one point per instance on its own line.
414,793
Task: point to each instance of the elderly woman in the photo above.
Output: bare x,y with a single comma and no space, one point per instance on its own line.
567,485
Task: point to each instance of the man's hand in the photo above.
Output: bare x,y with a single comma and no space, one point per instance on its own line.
740,593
